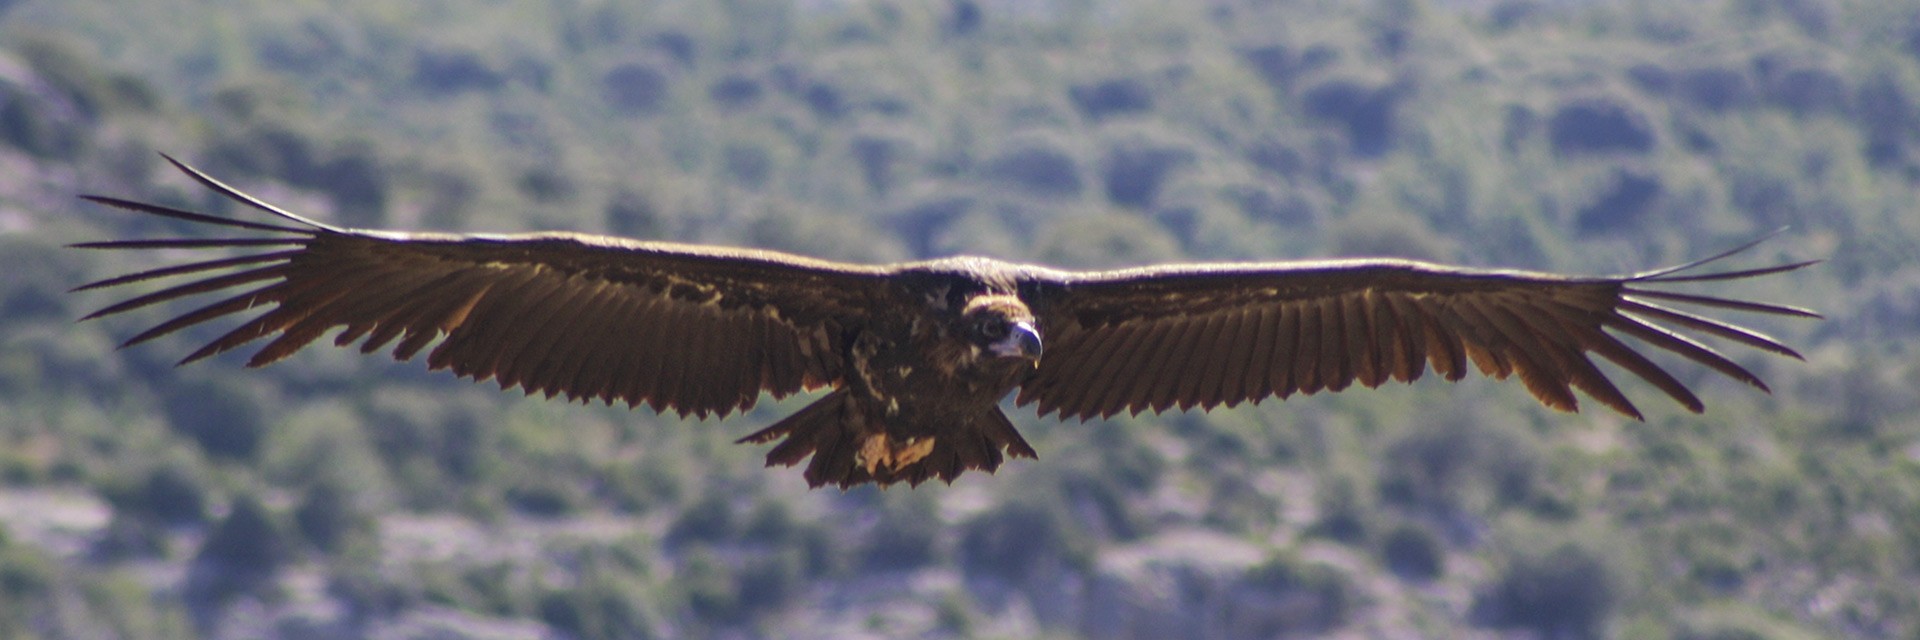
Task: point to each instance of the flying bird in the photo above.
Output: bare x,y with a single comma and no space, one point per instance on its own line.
916,356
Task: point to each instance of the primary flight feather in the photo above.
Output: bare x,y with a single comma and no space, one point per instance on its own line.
918,355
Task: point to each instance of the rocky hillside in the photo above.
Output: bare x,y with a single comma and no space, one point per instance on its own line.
335,495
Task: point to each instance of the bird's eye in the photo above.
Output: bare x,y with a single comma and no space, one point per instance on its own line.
991,328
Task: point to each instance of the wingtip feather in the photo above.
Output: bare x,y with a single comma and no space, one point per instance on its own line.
243,197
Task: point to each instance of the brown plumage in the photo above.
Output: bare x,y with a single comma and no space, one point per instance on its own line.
918,355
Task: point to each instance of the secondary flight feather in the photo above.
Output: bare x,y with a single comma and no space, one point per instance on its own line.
916,356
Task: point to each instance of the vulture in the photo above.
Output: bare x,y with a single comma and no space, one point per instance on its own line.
915,357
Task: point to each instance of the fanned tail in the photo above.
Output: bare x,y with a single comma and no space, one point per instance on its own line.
846,451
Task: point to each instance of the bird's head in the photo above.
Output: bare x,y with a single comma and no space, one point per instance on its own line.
1003,326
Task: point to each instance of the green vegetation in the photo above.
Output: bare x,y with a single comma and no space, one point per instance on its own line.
337,495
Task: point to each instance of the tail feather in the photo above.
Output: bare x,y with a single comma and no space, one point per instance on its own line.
833,430
800,430
1000,432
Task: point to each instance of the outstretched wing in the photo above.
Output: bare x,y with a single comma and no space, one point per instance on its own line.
700,330
1206,335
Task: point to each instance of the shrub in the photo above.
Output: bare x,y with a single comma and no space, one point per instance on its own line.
1627,198
1286,578
1366,111
37,125
632,213
1715,88
1039,168
273,149
546,495
709,587
1809,91
545,184
1599,125
444,72
358,182
1430,466
408,426
1565,592
1134,172
769,581
1412,552
735,92
1015,542
1237,505
676,44
26,575
38,274
247,539
749,165
772,523
330,514
826,101
449,197
879,158
965,19
1276,64
1651,78
30,586
1890,118
1343,510
922,223
129,538
709,520
598,608
171,493
1100,504
242,553
225,416
1113,97
902,541
635,89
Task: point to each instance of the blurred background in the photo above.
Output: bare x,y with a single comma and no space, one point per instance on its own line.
336,495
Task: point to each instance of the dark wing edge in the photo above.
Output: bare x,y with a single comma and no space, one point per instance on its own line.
1209,335
692,329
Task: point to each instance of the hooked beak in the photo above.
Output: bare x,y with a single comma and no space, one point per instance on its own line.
1022,341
